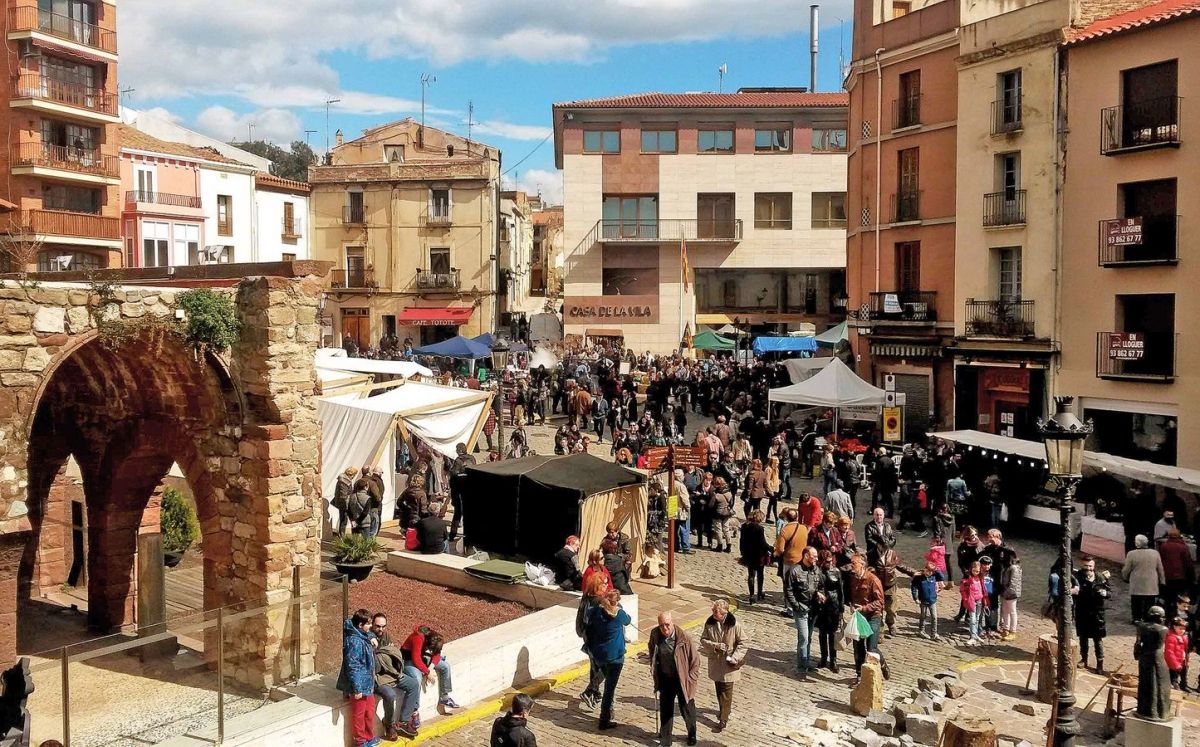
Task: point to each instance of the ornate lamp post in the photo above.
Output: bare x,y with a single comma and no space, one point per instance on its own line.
1064,435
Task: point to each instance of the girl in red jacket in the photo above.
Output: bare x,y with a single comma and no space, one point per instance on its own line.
1176,652
975,601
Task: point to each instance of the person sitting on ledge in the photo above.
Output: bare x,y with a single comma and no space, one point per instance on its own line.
422,653
566,568
433,536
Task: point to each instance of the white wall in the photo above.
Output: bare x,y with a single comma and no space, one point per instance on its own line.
269,229
240,186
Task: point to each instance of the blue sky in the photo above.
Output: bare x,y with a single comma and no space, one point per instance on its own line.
219,65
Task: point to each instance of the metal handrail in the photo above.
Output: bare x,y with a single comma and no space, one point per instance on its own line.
162,198
38,86
32,18
1006,208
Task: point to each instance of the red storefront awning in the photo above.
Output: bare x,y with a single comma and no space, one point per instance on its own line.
437,316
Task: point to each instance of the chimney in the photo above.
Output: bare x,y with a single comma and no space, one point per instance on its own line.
812,48
337,139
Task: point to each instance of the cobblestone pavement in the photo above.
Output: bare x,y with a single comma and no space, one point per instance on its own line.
770,703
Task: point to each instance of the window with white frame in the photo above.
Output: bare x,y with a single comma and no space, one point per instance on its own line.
439,203
156,238
1008,271
187,243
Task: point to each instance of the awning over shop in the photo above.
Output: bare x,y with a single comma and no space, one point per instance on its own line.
456,347
711,341
444,316
595,332
714,319
784,345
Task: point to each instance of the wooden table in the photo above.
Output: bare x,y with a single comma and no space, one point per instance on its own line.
1113,715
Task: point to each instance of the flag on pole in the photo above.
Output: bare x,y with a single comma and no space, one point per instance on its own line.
683,258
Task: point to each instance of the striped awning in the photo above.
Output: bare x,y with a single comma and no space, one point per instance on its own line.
905,351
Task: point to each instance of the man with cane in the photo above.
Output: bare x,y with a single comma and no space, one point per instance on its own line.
675,666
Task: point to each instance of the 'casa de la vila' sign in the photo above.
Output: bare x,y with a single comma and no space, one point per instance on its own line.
618,309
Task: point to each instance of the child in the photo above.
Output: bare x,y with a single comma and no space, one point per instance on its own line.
974,597
943,526
1191,614
937,556
1175,651
924,592
1011,581
652,562
987,620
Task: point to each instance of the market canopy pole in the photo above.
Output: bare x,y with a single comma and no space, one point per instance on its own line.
668,458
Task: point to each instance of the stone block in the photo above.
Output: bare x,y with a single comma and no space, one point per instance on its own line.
1143,733
955,691
1025,708
890,742
931,685
17,341
36,360
947,676
78,319
865,738
925,702
868,695
828,723
11,360
18,379
18,323
923,729
906,741
903,710
132,310
50,319
881,723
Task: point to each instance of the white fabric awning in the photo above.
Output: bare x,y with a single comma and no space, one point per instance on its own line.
407,369
802,369
1180,478
835,385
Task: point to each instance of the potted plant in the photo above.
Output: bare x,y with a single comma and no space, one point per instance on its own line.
179,526
354,555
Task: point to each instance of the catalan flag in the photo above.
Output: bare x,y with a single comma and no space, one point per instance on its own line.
683,258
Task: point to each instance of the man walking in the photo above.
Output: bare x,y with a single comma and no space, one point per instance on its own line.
838,501
512,729
802,590
789,544
879,536
675,666
1143,570
458,473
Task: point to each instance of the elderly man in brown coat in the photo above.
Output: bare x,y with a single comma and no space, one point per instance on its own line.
675,666
724,643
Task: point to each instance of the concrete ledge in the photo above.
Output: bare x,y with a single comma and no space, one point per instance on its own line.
448,570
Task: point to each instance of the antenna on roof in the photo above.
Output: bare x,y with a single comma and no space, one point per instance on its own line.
722,71
470,116
125,92
426,79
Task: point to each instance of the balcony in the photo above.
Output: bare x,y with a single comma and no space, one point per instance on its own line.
438,217
354,215
427,280
904,306
40,92
290,230
1006,117
161,198
86,164
669,229
906,111
906,207
56,223
26,20
1138,356
1140,125
353,279
1142,240
1003,318
1004,208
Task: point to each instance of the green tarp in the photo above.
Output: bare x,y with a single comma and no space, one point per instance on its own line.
711,341
503,571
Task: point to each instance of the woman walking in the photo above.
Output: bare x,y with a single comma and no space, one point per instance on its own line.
606,642
756,487
722,514
594,590
774,487
829,610
723,642
756,554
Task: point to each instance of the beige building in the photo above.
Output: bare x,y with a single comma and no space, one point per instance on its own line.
683,210
408,215
516,257
1130,345
547,251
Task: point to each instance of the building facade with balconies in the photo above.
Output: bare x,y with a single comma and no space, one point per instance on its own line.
687,210
900,242
281,210
516,260
163,214
409,217
62,147
1130,346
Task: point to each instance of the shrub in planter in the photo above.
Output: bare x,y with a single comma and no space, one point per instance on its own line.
179,525
354,555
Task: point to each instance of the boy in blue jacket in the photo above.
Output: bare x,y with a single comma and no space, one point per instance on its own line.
925,587
357,677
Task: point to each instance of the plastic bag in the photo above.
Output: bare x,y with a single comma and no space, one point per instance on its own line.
857,627
539,574
410,539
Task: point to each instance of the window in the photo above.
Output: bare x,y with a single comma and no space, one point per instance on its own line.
1008,270
356,267
1150,111
1009,101
79,76
729,293
901,8
1151,315
187,244
908,106
74,199
811,284
355,210
714,141
287,257
829,139
658,141
829,210
439,203
630,217
1008,174
439,260
144,178
908,266
602,141
69,142
155,241
393,153
130,244
714,216
289,219
224,215
776,140
54,260
773,210
1153,202
907,178
450,151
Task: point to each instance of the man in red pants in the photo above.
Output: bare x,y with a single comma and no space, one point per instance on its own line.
357,678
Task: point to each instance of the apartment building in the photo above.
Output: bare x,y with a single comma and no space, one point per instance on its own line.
281,211
409,217
693,209
1130,347
547,257
900,245
62,144
163,213
516,258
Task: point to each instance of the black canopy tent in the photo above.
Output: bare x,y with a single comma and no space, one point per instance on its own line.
529,506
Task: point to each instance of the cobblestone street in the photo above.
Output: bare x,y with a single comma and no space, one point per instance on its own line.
770,703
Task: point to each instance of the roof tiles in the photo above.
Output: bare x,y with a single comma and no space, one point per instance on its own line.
1161,12
740,100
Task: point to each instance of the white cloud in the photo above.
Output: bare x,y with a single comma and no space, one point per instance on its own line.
533,181
273,125
511,131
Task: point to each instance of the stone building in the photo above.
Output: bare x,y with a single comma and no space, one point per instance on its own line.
409,217
242,426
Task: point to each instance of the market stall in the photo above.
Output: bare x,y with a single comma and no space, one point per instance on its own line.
835,387
834,336
712,342
529,506
802,369
764,345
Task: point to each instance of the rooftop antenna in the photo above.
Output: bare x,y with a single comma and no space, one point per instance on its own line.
470,116
249,132
308,137
426,80
812,48
842,48
328,103
722,71
125,92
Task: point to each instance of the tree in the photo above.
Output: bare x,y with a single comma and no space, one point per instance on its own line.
291,164
19,246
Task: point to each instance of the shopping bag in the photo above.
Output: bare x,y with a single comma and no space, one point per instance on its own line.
857,627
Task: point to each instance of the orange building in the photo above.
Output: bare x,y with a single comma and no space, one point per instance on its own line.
901,201
61,120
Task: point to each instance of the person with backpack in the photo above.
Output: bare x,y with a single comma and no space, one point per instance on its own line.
341,498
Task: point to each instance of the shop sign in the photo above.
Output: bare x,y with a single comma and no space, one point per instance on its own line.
685,456
1126,346
892,419
1123,232
610,309
858,412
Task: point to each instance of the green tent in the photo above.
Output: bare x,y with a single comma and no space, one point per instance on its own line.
711,341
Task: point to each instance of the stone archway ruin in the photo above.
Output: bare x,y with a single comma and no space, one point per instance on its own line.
242,427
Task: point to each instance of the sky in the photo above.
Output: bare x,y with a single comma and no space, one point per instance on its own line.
265,68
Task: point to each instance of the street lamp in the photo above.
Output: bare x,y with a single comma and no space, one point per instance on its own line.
1065,435
500,354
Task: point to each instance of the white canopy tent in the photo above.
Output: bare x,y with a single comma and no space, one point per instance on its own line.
802,369
834,386
406,369
358,430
